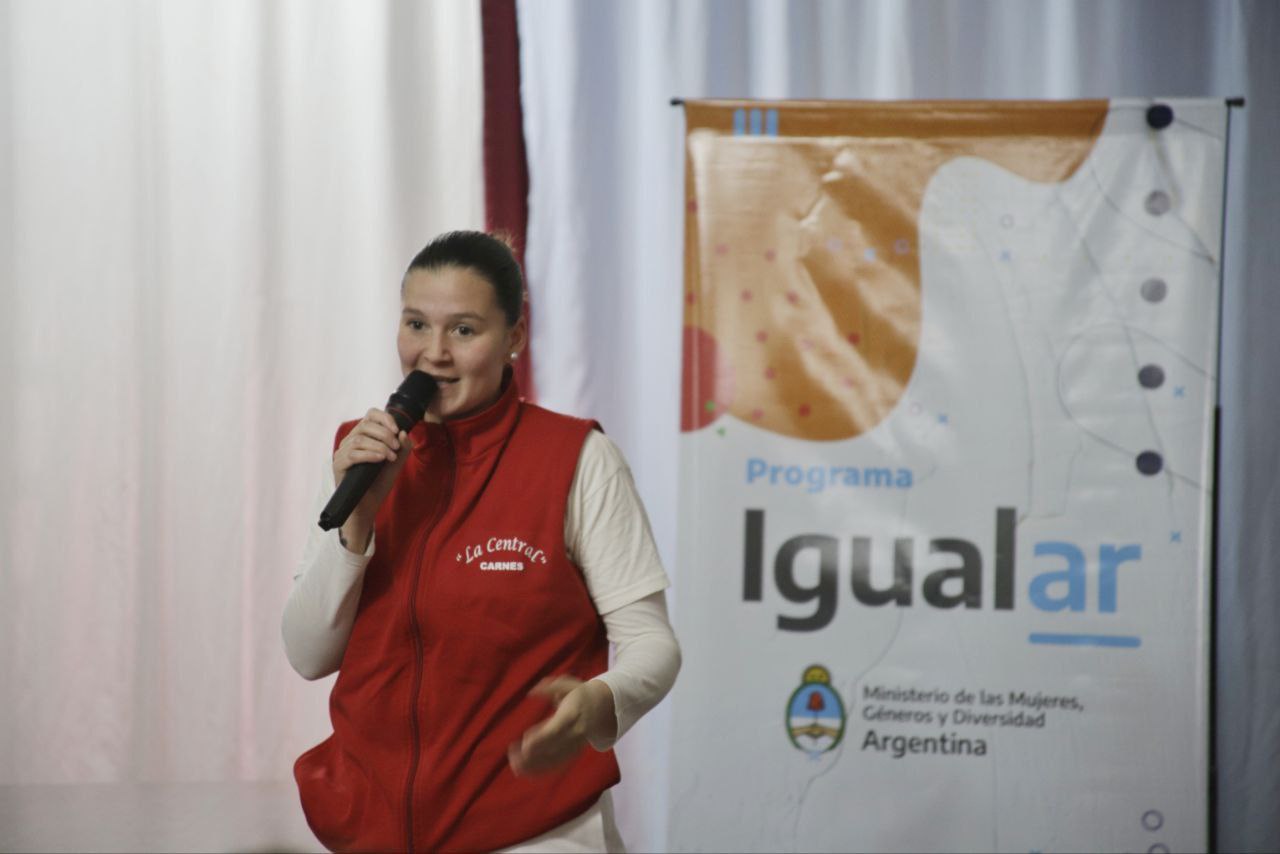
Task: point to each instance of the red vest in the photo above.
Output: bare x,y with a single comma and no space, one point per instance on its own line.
468,601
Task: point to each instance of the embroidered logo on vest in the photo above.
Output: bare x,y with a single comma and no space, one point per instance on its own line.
502,554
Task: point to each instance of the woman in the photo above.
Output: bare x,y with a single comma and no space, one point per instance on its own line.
468,602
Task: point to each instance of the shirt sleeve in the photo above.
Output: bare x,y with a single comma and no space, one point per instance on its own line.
326,592
646,661
607,532
607,535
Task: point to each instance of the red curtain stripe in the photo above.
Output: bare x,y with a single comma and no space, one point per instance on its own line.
506,172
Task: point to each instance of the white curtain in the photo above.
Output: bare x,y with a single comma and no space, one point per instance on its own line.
205,209
605,249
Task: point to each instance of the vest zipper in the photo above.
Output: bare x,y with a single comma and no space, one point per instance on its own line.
416,631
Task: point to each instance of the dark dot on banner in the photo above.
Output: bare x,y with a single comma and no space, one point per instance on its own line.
1157,203
1154,290
1152,820
1159,116
1151,376
1149,462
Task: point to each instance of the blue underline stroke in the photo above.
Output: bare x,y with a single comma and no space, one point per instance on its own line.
1128,641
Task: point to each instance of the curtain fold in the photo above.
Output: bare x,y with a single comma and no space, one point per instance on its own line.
506,173
207,211
605,250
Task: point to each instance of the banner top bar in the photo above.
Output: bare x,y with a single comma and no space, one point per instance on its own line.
1233,101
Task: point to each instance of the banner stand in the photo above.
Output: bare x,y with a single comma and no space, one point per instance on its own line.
1232,103
790,442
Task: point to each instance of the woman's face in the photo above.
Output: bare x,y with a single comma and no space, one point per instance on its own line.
452,327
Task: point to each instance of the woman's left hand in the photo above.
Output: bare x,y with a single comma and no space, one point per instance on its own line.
584,711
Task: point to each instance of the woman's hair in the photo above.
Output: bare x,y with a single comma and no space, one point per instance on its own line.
488,255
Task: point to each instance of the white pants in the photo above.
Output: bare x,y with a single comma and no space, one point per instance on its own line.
592,831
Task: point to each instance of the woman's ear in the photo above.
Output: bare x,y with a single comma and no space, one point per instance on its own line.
518,337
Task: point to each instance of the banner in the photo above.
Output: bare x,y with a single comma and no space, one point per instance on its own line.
946,473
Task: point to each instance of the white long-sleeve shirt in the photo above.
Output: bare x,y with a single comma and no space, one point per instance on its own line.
607,534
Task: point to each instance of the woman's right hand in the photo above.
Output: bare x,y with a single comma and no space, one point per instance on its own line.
376,439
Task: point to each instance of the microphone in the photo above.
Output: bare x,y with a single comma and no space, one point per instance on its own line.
406,405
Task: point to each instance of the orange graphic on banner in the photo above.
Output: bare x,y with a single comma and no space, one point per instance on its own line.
802,270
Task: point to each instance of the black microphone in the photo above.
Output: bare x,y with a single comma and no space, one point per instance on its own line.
407,406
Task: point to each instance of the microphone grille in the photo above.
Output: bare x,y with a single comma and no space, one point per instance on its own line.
414,394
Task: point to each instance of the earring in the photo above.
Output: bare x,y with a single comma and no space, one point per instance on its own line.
514,356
